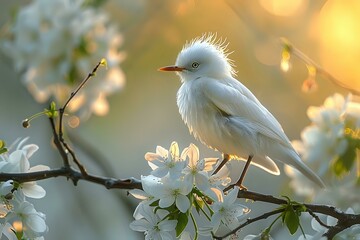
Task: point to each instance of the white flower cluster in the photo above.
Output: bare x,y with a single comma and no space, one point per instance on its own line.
333,126
330,145
55,44
179,184
18,217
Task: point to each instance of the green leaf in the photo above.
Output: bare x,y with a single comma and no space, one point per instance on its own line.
343,164
155,203
3,149
291,219
182,222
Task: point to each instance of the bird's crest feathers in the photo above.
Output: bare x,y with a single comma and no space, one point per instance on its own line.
219,45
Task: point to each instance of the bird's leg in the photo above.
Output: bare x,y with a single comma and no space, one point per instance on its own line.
241,179
225,160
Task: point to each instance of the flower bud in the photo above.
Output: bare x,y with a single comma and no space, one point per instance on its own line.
26,123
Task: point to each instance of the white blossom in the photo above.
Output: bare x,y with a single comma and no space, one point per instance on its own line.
149,184
6,231
228,211
154,226
56,44
322,142
165,162
17,161
197,170
174,191
16,213
33,222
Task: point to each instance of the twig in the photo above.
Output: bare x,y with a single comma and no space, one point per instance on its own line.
249,221
308,61
316,217
61,115
58,144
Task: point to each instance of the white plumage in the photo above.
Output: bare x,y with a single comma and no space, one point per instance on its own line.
223,114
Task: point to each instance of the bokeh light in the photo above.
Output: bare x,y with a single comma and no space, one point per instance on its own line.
284,8
338,32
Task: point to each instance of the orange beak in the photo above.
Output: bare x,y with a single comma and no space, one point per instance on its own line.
171,69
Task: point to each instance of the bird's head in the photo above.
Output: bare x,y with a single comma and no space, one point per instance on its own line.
202,57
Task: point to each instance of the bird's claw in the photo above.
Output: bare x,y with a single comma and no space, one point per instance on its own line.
242,187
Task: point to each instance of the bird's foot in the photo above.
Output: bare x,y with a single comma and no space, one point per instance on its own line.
242,187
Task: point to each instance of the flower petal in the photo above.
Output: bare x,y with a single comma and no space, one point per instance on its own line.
162,151
35,223
149,156
210,163
140,225
167,225
193,154
182,203
139,194
30,149
232,196
174,150
166,201
38,168
32,190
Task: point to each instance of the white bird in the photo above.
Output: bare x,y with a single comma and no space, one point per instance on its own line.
224,115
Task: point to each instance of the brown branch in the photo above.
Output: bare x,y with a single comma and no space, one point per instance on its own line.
74,175
344,220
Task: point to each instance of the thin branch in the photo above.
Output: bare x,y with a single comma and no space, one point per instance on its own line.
308,61
61,115
58,145
72,95
249,221
316,217
344,220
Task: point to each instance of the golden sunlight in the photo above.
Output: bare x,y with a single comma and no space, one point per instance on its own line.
284,8
338,30
18,226
101,106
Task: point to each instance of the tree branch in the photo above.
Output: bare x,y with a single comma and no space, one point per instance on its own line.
74,175
344,220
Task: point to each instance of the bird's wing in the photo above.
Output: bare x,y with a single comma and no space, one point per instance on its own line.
239,101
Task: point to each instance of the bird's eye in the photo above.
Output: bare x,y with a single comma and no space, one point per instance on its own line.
195,65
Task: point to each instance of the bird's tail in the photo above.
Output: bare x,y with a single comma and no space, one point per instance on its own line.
290,157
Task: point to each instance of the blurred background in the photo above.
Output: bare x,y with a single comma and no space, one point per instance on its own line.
143,114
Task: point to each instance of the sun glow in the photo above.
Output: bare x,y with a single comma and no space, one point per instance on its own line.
338,31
